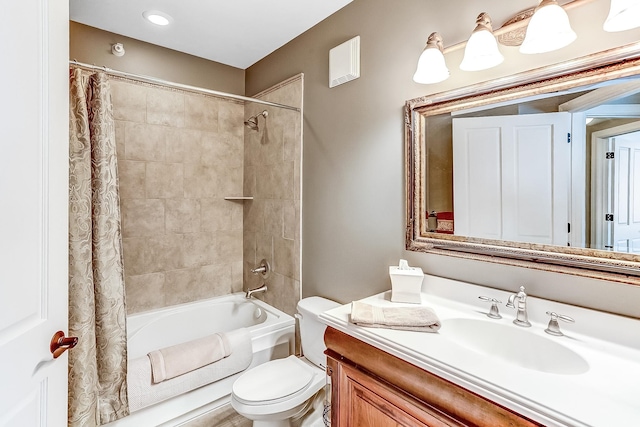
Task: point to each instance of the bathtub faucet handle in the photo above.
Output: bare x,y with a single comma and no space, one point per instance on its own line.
263,268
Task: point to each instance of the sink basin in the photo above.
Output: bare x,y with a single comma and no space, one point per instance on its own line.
515,345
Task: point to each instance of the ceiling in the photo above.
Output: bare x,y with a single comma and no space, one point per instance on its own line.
233,32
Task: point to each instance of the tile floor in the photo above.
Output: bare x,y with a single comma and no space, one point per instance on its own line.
228,417
223,417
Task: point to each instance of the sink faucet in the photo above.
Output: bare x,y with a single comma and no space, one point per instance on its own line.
250,292
521,315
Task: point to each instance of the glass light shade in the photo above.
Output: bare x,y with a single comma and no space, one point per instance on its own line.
623,15
481,52
549,29
431,66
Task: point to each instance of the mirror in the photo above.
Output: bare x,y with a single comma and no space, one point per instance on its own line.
509,171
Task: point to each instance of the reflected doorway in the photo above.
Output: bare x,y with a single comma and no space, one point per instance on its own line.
616,187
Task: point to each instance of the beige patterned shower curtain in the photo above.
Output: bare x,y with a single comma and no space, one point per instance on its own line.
97,316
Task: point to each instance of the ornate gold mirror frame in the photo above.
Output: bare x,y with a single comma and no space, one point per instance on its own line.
613,266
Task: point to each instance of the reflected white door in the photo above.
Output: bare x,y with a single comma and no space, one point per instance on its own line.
33,215
626,200
512,177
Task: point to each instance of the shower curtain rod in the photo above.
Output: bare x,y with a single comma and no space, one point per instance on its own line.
153,80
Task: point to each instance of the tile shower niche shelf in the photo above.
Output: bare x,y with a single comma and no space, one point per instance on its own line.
239,198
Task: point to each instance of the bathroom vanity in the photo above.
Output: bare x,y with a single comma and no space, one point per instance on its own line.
480,371
373,388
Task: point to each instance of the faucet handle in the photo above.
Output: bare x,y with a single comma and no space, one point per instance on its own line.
493,311
263,269
554,328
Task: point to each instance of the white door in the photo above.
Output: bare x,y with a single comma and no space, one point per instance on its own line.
33,214
512,177
608,197
626,216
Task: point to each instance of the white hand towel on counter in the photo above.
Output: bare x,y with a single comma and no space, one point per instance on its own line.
176,360
422,319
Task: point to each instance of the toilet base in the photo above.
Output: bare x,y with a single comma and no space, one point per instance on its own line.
283,419
311,411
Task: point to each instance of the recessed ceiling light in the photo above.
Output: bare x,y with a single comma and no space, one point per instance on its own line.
156,17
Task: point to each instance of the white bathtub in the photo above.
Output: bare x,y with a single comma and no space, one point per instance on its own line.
272,336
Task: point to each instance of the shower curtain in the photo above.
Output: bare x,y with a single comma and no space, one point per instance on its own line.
97,316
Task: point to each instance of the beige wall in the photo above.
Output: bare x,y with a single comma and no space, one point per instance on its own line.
179,155
353,203
93,46
272,159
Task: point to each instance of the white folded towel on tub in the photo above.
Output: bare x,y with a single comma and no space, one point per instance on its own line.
143,392
176,360
421,318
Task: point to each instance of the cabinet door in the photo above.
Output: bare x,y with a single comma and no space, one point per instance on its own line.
366,401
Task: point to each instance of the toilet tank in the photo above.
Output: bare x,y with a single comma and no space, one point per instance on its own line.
312,330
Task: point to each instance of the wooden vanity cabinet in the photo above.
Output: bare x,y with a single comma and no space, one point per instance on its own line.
372,388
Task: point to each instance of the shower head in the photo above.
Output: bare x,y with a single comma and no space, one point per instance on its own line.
252,122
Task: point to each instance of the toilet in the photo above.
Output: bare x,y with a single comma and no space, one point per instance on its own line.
277,392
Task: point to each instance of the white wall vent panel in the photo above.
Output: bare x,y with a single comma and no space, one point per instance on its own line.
344,62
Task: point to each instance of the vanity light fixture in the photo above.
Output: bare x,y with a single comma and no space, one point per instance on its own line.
623,15
157,18
482,50
543,29
431,66
549,29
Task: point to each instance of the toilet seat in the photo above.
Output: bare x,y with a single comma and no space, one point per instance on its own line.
296,380
273,382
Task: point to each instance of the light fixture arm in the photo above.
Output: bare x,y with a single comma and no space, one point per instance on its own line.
544,3
483,22
435,41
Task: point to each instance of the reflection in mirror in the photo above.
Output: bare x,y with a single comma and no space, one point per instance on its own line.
504,171
541,167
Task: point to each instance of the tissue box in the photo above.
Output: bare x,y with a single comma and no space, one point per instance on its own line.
406,284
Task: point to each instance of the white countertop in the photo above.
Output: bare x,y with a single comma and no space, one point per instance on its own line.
606,395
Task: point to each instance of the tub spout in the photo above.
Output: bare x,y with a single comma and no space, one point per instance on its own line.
262,288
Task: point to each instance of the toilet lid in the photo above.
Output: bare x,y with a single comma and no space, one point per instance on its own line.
272,380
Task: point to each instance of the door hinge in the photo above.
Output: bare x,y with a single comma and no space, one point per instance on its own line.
608,217
568,227
569,138
609,155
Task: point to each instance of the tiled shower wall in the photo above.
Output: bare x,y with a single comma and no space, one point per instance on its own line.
179,155
272,175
